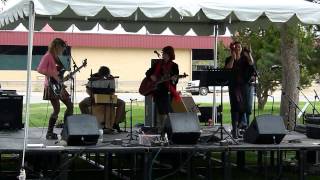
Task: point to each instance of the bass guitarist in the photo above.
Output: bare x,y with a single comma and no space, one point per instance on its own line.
165,91
53,69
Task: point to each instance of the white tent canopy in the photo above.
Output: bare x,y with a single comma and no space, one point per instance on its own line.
177,15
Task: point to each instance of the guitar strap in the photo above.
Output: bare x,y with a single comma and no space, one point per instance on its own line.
167,67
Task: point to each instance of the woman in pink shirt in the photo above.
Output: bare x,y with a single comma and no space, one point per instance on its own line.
51,66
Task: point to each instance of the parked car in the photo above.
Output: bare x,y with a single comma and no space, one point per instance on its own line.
194,88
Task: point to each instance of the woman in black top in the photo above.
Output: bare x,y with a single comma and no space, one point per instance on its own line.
242,63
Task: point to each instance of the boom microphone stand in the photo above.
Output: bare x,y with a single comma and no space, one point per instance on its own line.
313,105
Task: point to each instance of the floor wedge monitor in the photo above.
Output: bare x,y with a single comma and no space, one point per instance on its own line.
184,128
265,129
81,129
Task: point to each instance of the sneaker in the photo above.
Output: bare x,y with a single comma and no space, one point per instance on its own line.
51,136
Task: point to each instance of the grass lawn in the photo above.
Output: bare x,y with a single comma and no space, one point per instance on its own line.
39,113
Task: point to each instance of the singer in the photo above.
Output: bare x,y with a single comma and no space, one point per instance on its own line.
164,69
241,90
103,82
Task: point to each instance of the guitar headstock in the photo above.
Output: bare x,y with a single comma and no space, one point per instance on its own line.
183,75
84,63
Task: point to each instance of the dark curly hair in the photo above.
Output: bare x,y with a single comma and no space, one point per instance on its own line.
170,51
104,71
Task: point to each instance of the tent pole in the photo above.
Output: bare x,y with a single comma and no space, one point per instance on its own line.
29,63
215,53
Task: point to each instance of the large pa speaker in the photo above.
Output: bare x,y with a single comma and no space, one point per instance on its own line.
80,129
265,129
184,128
11,111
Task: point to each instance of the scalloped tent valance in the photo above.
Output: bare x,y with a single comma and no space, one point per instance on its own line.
178,15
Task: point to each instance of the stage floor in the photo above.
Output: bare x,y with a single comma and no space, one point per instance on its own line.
12,141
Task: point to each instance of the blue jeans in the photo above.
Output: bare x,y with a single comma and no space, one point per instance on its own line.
245,118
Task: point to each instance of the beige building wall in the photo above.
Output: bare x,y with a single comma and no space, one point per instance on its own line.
129,64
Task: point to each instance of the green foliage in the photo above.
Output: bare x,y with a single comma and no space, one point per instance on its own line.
223,53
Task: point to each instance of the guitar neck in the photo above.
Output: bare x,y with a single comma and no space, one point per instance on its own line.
72,73
167,79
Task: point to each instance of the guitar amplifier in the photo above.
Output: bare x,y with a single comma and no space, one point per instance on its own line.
186,104
11,112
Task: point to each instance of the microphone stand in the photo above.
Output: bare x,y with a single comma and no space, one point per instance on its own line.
91,93
313,106
73,81
291,101
131,100
255,84
272,103
315,101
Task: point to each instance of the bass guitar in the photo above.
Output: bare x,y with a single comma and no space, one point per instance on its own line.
57,87
147,86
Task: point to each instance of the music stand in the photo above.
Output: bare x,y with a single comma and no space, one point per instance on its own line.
102,91
219,77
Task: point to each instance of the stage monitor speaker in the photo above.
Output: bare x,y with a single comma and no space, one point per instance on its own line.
185,128
80,129
265,129
11,112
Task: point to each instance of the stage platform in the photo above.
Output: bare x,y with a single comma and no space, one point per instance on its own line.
11,142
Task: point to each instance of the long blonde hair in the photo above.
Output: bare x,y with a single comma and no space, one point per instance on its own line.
55,44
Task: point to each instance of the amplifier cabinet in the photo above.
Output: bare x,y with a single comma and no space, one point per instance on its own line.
11,111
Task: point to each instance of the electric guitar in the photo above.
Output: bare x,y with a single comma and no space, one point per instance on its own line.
57,87
147,86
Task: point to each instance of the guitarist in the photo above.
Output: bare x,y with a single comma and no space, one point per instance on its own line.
165,91
51,66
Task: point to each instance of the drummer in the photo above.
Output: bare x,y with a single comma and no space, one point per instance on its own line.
103,82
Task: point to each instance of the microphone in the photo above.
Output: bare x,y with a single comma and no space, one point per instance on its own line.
274,67
156,52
